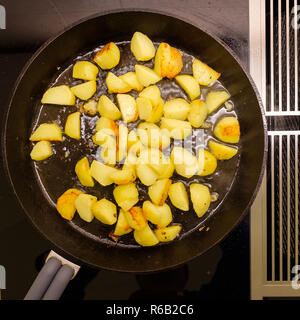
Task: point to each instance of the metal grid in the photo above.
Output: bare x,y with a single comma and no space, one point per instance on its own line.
274,62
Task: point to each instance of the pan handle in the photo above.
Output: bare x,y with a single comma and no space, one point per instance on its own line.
52,279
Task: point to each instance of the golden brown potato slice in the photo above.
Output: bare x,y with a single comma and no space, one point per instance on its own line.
115,84
123,176
126,196
108,109
144,106
85,90
168,61
159,215
72,127
108,57
221,151
203,73
158,192
198,113
82,170
90,107
122,226
152,93
168,233
142,47
200,197
48,132
105,211
128,107
83,205
228,130
145,75
66,203
41,151
179,196
207,163
131,79
102,173
145,237
177,129
85,70
185,162
108,126
189,85
146,174
61,95
135,218
215,99
177,108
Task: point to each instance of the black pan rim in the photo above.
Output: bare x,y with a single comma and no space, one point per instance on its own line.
128,10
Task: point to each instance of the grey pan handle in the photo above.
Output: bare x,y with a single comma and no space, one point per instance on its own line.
52,279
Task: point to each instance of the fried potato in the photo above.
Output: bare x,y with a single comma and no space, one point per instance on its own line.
179,196
185,162
228,130
177,129
115,84
189,85
131,79
168,233
215,99
108,57
83,205
48,132
105,211
221,151
82,170
61,95
72,126
168,61
200,197
145,75
85,70
158,191
159,215
135,218
41,151
145,237
126,196
102,173
142,47
122,226
207,163
108,109
177,108
203,73
128,107
198,113
85,90
66,203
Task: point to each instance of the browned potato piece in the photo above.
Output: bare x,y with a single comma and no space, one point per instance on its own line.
82,169
228,130
126,196
168,61
122,226
145,237
168,233
200,196
207,163
135,218
203,73
158,192
48,132
221,151
108,57
66,203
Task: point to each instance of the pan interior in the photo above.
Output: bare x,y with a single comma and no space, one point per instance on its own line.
56,174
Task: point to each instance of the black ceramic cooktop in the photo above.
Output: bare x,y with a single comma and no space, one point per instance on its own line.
223,272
